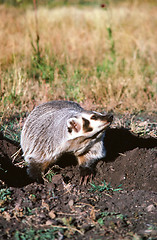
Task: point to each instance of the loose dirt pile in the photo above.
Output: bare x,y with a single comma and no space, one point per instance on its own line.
121,202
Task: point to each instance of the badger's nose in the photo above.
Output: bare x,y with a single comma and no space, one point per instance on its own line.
109,117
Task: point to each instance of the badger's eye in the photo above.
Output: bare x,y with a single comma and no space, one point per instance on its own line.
94,117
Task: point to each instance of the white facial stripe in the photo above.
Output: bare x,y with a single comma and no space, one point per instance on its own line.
98,113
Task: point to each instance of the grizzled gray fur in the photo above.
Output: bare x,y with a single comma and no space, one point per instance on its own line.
59,127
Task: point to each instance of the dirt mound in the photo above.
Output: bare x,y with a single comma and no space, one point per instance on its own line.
121,202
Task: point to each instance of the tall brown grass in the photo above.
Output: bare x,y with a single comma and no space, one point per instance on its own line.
104,58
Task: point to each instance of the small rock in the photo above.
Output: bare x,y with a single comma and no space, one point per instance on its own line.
41,215
52,214
49,222
45,205
150,208
7,216
71,203
122,177
70,175
155,166
57,178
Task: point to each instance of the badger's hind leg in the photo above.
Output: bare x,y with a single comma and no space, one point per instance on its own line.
36,169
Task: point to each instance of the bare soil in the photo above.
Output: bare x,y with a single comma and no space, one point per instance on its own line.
64,209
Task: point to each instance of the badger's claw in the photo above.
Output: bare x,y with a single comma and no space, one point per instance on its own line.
85,179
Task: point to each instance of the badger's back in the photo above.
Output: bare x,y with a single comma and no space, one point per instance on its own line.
56,105
45,129
60,104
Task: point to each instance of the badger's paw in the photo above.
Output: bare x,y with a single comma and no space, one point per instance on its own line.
86,175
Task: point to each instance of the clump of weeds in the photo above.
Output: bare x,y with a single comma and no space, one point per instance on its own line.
50,233
5,196
49,175
104,187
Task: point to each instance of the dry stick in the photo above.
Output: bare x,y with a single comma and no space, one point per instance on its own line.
37,31
14,156
63,227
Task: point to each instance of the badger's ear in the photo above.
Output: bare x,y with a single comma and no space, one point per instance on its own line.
73,124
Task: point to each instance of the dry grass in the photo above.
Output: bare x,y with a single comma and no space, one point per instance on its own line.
102,58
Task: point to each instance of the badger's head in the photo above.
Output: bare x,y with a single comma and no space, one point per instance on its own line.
88,124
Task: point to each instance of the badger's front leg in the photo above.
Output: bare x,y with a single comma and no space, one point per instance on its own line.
86,161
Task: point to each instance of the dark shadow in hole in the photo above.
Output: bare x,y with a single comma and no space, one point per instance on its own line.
12,175
118,140
66,160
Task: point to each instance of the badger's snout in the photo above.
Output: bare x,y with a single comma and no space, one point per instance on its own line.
108,117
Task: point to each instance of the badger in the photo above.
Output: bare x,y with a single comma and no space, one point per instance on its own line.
59,127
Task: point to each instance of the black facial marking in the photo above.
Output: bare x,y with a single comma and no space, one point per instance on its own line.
94,117
86,125
104,118
69,129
